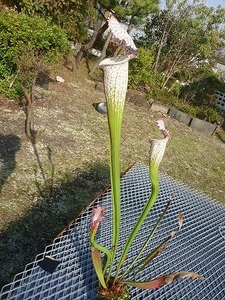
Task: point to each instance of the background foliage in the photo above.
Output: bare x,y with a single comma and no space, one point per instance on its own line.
68,14
27,45
184,40
177,51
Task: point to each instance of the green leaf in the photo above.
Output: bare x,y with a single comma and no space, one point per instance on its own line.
162,280
161,246
128,270
153,254
96,258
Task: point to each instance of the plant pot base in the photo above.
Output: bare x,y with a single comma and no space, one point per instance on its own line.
117,292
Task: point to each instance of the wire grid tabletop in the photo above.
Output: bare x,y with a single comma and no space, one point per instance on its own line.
198,247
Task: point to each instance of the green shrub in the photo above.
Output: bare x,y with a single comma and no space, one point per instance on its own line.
200,94
202,110
13,92
27,45
209,114
140,74
196,99
71,15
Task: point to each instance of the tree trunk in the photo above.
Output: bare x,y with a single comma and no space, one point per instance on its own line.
102,55
118,50
85,48
73,62
173,69
29,123
101,32
165,33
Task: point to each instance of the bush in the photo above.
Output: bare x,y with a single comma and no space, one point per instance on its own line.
202,110
209,114
27,45
71,15
140,75
196,99
200,94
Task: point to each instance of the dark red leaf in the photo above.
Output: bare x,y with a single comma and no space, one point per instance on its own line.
162,280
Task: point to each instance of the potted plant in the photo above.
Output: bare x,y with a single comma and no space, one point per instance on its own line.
114,282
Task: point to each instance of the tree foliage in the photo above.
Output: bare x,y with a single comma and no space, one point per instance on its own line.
70,15
132,13
184,35
27,46
140,75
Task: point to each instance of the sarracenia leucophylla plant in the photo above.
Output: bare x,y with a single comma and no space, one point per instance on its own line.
112,286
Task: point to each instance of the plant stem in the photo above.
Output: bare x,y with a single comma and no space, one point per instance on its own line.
115,123
128,270
102,249
147,208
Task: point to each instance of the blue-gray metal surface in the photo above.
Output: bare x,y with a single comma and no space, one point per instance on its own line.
198,247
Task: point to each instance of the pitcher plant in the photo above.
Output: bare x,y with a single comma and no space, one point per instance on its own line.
113,281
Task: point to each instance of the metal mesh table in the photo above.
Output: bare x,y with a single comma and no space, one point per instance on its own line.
199,246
